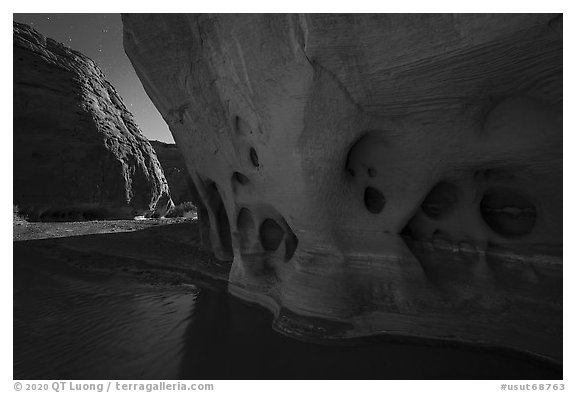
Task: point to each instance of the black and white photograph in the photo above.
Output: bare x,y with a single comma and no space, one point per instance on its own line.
287,196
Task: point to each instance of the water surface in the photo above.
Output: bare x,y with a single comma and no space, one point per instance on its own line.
71,323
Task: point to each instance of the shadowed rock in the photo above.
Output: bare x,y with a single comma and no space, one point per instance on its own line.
78,154
400,173
181,186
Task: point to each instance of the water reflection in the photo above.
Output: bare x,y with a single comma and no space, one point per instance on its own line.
69,324
229,339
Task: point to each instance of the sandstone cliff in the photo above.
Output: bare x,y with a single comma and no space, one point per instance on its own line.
179,181
78,154
387,173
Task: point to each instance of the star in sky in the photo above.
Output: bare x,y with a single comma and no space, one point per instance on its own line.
99,36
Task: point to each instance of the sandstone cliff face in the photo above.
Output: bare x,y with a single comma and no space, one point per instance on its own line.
77,152
387,173
179,181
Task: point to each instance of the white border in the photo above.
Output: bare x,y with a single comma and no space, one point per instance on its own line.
35,6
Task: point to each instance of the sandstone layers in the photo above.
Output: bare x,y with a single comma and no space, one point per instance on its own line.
78,153
374,173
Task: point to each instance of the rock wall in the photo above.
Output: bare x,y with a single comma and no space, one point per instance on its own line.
78,154
374,173
181,186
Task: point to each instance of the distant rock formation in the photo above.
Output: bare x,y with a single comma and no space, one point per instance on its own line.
374,173
78,154
179,181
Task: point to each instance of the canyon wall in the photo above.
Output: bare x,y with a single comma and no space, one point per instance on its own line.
78,154
378,173
181,186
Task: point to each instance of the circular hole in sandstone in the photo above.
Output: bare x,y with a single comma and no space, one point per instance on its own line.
507,212
372,172
374,200
440,201
240,178
271,234
254,157
291,245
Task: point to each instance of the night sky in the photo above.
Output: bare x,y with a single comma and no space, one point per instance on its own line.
99,36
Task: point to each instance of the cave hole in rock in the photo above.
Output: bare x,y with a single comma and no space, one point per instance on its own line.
440,201
245,222
245,225
271,234
365,154
216,204
240,178
204,227
374,200
507,212
224,229
291,245
254,157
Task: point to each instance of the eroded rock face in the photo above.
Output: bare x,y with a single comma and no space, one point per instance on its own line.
179,181
387,173
78,153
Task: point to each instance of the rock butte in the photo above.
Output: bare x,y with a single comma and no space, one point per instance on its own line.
77,152
374,173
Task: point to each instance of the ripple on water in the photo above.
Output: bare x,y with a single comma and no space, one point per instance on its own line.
70,328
